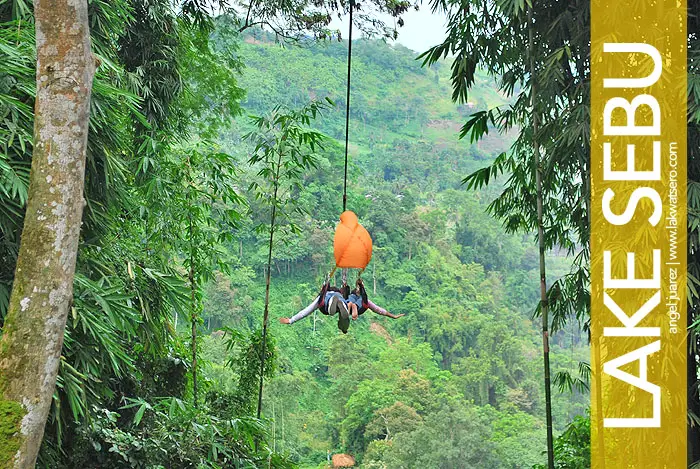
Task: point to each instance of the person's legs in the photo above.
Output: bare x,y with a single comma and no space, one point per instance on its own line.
333,299
327,302
343,315
353,310
336,304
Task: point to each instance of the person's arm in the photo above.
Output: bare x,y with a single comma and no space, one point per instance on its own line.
381,311
303,313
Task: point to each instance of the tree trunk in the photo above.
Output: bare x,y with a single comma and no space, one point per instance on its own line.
374,278
266,312
282,421
543,270
193,312
274,428
32,339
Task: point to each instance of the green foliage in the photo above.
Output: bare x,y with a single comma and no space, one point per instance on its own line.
247,366
297,20
170,433
496,40
451,437
157,189
543,50
284,147
572,448
565,382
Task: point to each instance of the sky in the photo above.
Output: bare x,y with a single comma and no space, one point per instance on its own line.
421,30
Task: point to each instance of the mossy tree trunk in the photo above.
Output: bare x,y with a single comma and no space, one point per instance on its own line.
30,347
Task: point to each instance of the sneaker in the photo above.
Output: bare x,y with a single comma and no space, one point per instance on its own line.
343,317
343,309
332,306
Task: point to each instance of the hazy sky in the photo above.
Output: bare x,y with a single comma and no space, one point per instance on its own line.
421,30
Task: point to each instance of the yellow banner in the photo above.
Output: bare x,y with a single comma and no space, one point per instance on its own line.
638,234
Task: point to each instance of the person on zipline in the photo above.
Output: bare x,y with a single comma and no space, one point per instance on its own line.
356,304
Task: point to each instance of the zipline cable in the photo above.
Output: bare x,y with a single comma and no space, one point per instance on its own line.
347,110
347,126
272,224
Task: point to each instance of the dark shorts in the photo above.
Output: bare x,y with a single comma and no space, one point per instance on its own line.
357,299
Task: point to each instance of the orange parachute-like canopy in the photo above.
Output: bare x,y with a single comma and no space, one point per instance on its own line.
352,245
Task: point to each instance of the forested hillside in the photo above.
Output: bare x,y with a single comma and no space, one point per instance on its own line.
456,382
149,354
